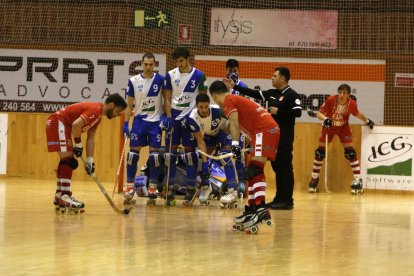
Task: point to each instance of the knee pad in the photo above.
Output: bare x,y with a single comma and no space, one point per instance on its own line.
154,159
72,162
191,159
132,157
320,153
350,153
170,158
252,170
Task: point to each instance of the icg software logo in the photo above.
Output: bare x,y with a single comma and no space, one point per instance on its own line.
395,156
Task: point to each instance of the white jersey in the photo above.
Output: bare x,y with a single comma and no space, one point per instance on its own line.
184,89
211,125
148,96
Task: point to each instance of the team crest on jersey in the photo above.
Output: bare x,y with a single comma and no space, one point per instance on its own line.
177,82
281,98
140,87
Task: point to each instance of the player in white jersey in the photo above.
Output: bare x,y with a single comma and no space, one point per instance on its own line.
144,90
207,124
181,87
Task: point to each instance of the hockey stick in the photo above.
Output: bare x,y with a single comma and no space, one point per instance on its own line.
116,209
169,166
219,157
326,163
119,167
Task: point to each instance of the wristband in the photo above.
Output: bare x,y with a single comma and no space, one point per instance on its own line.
89,159
235,143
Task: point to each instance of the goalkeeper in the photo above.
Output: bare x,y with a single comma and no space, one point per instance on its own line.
335,113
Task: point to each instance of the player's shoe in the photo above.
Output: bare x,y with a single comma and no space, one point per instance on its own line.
129,192
205,191
239,221
67,203
313,185
170,197
229,200
152,194
356,187
262,214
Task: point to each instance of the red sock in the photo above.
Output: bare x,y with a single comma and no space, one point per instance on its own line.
64,176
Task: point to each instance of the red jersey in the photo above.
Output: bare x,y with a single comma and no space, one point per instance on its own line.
339,113
252,116
90,112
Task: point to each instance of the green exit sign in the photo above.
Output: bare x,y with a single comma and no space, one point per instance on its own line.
152,19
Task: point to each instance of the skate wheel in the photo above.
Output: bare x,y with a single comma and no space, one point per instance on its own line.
235,205
239,227
63,210
254,229
76,211
207,203
269,223
222,206
57,208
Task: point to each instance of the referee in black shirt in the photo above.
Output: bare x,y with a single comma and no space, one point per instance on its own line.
284,105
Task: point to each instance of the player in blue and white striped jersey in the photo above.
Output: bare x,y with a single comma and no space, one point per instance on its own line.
181,87
145,91
207,123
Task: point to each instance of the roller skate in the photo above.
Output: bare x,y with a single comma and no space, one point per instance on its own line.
129,192
262,214
152,194
205,191
229,200
313,185
190,196
356,187
239,221
68,204
170,197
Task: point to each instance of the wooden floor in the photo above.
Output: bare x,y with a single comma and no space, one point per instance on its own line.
336,234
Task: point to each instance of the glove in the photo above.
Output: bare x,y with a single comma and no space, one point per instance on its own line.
89,166
370,124
233,76
167,123
327,123
125,129
78,149
236,150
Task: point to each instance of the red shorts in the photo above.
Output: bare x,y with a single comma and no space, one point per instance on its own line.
58,136
265,143
344,133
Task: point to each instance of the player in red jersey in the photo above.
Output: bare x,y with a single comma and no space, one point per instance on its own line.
72,121
335,113
256,123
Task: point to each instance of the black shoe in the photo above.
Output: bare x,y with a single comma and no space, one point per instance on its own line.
281,206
